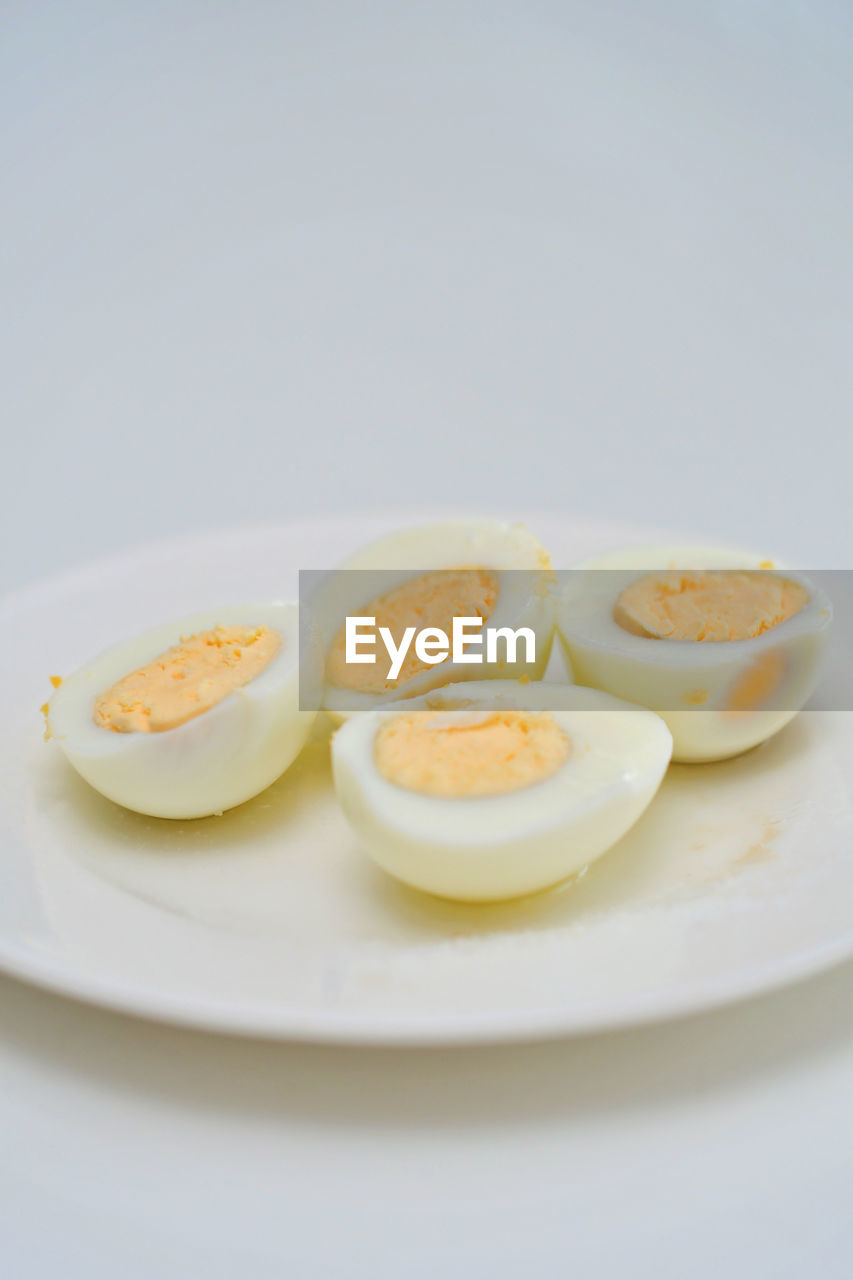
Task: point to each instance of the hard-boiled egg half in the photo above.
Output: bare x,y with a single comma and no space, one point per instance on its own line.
488,790
191,718
421,579
722,644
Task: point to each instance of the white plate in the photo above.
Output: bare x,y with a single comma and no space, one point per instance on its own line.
269,920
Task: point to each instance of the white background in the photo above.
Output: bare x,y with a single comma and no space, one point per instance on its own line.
267,260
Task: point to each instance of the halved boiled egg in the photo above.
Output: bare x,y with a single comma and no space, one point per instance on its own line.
488,790
422,578
722,644
191,718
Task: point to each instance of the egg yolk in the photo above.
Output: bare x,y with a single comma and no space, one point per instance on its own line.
429,600
707,604
188,679
755,686
469,753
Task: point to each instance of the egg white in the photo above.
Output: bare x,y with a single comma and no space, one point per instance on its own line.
524,599
667,675
487,848
210,763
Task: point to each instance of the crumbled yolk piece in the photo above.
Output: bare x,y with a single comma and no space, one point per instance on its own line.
187,680
428,600
707,604
454,754
56,681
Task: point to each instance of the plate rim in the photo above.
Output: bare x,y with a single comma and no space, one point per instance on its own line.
444,1030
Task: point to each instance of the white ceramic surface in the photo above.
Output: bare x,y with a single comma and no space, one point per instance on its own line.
269,920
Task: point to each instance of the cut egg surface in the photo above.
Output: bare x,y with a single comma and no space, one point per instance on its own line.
424,577
191,718
724,645
485,790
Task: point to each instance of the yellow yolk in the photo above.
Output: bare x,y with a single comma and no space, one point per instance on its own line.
754,686
187,680
429,600
453,754
707,604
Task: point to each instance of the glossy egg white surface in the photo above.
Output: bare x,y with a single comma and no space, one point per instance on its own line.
210,763
492,847
692,684
524,598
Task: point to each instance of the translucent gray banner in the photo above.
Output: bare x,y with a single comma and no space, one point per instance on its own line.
731,640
